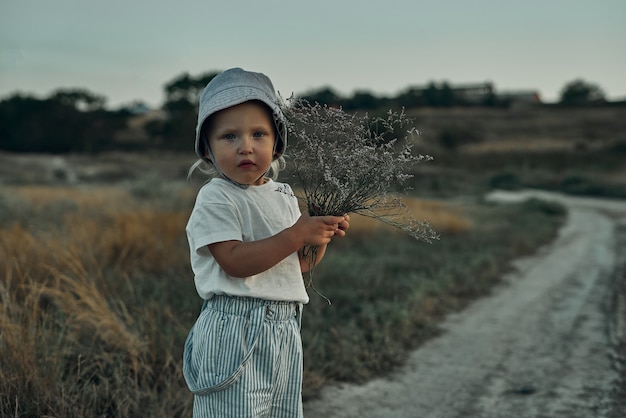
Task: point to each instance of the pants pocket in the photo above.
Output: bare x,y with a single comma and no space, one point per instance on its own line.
217,348
202,366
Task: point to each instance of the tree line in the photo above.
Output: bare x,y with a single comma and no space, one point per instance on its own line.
75,120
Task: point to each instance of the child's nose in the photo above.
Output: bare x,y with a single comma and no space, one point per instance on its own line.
245,145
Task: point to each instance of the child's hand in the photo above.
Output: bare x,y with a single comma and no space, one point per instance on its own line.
343,226
319,230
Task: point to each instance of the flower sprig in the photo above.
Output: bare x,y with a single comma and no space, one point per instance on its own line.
346,163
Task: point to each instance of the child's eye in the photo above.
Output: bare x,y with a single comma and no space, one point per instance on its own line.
228,136
259,134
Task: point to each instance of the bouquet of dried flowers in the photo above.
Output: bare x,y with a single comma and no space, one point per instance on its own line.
345,163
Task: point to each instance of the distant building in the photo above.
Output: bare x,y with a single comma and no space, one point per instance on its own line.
520,97
481,93
477,93
469,94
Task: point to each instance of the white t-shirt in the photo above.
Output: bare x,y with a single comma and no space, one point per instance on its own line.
225,212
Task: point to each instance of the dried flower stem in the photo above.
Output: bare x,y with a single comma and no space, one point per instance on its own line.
353,164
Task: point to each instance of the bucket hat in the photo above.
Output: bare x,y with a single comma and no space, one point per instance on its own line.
235,86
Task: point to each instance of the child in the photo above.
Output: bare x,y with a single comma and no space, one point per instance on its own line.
243,356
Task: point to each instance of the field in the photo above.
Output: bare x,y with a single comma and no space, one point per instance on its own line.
98,296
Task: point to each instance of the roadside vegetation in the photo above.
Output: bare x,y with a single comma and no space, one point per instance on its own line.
97,295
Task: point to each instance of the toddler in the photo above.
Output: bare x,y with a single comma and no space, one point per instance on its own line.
243,356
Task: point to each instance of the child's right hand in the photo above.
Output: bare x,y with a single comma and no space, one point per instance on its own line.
319,230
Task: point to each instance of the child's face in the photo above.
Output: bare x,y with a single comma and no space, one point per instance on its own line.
242,139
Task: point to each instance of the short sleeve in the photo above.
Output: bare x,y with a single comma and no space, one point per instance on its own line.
213,222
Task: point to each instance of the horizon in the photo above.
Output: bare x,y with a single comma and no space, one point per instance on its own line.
139,101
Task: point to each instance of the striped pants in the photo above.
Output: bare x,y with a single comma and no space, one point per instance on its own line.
243,358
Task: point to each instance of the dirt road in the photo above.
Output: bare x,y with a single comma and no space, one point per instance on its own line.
544,344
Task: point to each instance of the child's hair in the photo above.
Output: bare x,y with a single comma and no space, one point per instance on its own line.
230,88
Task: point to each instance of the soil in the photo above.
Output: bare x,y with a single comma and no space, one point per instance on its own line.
549,342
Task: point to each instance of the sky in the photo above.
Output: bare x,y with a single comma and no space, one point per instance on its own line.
127,50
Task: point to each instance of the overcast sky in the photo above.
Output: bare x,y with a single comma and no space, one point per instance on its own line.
127,50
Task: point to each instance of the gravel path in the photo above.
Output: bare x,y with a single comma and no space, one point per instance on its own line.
542,345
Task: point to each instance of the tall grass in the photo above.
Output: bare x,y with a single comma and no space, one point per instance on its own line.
97,295
92,306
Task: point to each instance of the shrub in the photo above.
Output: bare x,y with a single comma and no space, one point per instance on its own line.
505,181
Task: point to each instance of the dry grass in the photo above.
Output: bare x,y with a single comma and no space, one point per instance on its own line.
84,329
97,298
95,197
444,218
529,144
73,340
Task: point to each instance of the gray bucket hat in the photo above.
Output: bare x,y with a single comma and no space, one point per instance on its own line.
235,86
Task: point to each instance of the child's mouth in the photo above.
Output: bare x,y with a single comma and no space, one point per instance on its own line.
246,164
